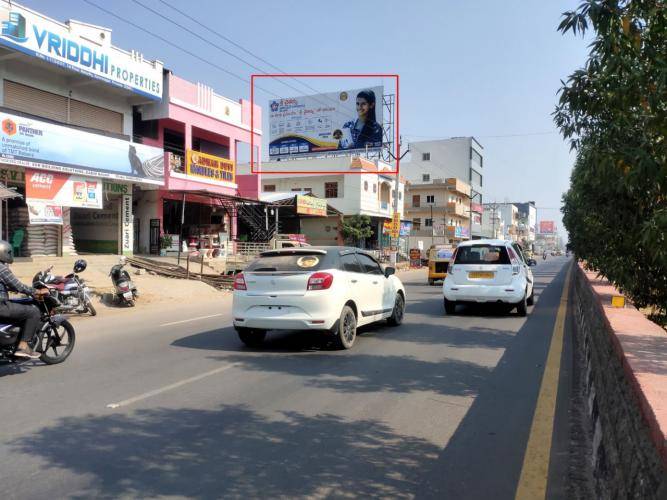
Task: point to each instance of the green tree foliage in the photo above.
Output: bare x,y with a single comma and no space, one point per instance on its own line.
613,111
356,228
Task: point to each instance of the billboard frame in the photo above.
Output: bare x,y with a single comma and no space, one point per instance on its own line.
397,146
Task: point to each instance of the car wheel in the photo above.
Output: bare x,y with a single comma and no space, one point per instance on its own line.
396,317
522,307
450,306
251,337
346,329
531,300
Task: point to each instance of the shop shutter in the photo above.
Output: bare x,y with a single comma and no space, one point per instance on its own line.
87,115
35,102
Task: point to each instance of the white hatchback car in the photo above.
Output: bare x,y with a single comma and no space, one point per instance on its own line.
489,271
334,289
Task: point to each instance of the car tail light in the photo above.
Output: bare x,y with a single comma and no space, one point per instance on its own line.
239,282
320,281
516,266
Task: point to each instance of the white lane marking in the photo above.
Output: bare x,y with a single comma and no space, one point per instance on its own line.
170,387
191,319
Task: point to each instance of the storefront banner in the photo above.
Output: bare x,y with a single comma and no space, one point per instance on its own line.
307,125
212,168
63,189
458,231
309,205
56,43
36,144
406,229
45,213
127,225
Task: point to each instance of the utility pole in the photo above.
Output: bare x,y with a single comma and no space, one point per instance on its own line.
396,183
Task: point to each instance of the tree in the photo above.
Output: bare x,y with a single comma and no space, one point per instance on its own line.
356,228
614,113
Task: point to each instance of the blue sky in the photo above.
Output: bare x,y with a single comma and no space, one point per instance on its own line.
480,67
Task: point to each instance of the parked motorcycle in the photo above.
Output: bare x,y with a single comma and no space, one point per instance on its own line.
70,290
54,338
126,290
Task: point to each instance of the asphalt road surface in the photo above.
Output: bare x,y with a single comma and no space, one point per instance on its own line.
165,401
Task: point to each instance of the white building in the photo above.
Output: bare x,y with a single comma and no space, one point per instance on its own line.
493,225
351,185
460,157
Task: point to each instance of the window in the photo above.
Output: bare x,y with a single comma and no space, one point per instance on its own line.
482,254
517,248
297,189
476,158
430,198
426,177
350,263
417,223
428,222
269,188
426,156
369,265
365,185
416,200
331,190
475,177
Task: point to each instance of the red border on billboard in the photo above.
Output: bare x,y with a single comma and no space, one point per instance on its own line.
320,75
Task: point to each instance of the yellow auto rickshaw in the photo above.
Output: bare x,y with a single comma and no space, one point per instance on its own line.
438,262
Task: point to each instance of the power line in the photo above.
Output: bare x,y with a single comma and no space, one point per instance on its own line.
500,136
168,42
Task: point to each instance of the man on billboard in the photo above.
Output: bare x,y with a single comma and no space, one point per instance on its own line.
365,130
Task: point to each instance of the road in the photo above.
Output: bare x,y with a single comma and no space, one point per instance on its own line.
167,402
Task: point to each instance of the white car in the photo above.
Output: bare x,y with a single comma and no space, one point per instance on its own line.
334,289
489,271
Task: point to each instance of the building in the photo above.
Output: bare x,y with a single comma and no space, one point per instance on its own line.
527,227
68,99
203,135
363,189
459,157
493,225
509,214
439,210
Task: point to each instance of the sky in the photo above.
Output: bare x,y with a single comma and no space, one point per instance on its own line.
484,68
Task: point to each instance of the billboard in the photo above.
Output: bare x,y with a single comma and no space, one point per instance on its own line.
336,121
63,189
547,227
309,205
212,168
28,32
31,143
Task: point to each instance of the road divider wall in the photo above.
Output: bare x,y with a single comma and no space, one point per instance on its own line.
626,390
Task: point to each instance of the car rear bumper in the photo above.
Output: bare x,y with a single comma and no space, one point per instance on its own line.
284,313
509,294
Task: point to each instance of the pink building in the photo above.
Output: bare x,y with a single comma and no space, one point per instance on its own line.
204,136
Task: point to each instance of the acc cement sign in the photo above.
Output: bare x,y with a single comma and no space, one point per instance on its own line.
38,36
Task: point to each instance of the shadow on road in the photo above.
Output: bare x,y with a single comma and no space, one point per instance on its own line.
230,452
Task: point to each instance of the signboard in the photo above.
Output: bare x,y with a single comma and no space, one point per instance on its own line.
415,257
547,227
35,144
301,238
477,207
212,168
458,231
45,213
444,253
63,189
309,205
332,121
395,229
29,32
406,229
126,225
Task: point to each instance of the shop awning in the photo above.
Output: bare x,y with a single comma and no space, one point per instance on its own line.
6,193
287,199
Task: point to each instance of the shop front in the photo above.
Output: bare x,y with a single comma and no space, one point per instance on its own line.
76,187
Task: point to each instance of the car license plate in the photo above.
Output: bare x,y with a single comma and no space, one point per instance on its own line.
485,275
128,295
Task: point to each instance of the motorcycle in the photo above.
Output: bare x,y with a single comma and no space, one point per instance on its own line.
126,290
55,335
70,290
544,256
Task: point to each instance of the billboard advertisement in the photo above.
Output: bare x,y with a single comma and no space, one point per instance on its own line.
309,205
63,189
209,167
28,32
547,227
36,144
336,121
45,213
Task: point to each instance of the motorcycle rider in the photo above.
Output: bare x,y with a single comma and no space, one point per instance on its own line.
27,314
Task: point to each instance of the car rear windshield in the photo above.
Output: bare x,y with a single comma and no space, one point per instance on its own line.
287,262
482,254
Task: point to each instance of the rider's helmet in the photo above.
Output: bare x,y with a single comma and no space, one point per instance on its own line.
123,260
6,252
80,266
